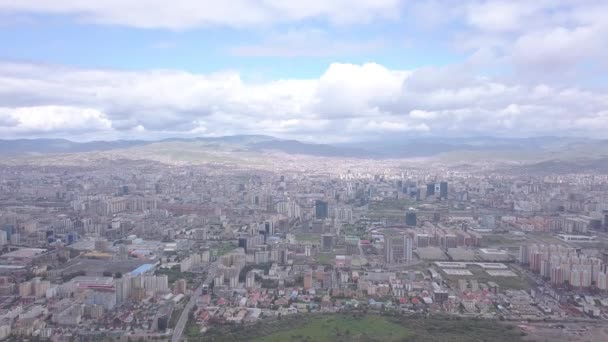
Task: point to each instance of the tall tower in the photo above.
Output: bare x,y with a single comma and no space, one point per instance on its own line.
430,190
443,190
409,249
388,249
321,209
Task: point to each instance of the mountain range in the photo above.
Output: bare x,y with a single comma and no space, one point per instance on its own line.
535,149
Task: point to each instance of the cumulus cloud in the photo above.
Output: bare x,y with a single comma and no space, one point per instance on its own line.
347,101
546,39
52,119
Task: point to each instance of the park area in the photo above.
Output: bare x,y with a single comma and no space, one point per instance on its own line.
368,327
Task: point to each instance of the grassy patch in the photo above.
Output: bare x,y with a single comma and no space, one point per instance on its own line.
326,258
370,327
192,331
174,275
342,328
307,237
358,229
225,248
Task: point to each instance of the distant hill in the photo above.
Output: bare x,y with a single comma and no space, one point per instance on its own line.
321,150
48,146
449,150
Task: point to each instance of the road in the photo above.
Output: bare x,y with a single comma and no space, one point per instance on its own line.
178,331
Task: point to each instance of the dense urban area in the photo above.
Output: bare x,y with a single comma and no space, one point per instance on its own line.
111,248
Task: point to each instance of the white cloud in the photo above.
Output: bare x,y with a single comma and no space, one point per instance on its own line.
557,48
541,39
502,15
347,90
184,14
347,102
52,119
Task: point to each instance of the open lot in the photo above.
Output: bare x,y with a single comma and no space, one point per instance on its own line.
478,273
368,327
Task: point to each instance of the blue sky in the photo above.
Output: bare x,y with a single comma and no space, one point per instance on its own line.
313,70
65,39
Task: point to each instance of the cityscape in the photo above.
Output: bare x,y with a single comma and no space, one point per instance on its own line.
131,249
304,171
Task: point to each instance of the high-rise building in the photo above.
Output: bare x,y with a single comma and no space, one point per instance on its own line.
308,280
123,252
250,280
321,209
430,190
10,230
523,254
388,250
422,240
243,243
327,242
268,227
409,250
398,249
180,286
443,190
123,288
410,218
16,239
283,256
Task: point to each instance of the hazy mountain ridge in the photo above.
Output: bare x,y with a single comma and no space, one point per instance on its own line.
251,147
48,146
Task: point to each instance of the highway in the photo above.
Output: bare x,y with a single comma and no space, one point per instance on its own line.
178,331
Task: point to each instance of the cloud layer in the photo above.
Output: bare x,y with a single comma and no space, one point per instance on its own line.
348,102
527,68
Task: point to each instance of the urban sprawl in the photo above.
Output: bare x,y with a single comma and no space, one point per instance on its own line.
133,249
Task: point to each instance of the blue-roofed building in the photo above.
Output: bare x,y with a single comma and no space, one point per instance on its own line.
142,269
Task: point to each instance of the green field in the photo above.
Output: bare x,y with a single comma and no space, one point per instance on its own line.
192,330
308,237
175,274
225,248
358,229
362,327
342,328
326,258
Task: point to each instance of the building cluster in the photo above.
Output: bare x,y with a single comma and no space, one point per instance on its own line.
109,249
565,265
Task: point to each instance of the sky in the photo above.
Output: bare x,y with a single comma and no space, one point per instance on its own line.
321,71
